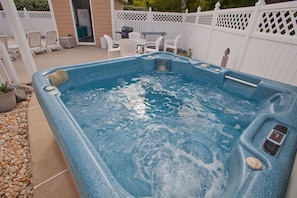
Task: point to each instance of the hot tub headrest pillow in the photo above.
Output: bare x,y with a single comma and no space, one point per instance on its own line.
58,77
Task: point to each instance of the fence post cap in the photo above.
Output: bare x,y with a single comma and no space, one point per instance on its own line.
217,6
260,3
199,9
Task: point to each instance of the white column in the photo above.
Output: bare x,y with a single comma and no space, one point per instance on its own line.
112,18
19,35
7,67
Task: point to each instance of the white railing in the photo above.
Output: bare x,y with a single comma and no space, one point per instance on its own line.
31,21
262,39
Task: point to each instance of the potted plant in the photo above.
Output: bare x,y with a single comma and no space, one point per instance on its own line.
7,98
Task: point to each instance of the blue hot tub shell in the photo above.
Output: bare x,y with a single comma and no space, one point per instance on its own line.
92,176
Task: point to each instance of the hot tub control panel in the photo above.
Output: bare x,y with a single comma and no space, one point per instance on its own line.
275,139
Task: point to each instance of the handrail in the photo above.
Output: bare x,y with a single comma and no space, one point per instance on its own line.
241,81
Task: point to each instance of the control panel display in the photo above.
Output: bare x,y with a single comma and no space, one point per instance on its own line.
275,139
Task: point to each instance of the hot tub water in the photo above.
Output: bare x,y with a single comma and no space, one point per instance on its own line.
166,136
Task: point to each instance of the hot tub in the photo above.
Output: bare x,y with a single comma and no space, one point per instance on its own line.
162,125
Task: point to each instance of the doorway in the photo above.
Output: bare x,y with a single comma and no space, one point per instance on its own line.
83,21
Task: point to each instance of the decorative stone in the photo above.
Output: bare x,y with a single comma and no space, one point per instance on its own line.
20,95
15,161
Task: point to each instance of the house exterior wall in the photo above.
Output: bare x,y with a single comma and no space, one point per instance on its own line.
102,23
118,5
63,15
101,13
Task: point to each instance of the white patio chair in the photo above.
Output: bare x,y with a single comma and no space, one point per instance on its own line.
110,45
155,45
171,44
134,35
51,41
128,47
35,44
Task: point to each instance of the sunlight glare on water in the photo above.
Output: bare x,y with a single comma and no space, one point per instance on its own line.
162,135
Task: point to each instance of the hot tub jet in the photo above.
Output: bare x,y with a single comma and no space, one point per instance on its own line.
163,65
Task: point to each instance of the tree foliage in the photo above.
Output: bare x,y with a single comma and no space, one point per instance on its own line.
192,5
31,5
163,6
156,5
38,5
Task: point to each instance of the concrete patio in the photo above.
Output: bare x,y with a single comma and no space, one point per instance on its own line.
50,173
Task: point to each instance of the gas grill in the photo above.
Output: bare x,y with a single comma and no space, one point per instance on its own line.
125,31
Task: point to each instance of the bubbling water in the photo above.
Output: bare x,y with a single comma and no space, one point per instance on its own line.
162,135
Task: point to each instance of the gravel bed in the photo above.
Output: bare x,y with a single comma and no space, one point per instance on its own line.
16,178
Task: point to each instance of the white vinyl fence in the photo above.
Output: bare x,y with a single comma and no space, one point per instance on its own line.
262,39
31,21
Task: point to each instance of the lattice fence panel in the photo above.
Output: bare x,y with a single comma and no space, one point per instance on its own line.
237,21
21,15
40,15
278,22
131,16
191,19
205,19
4,26
163,17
